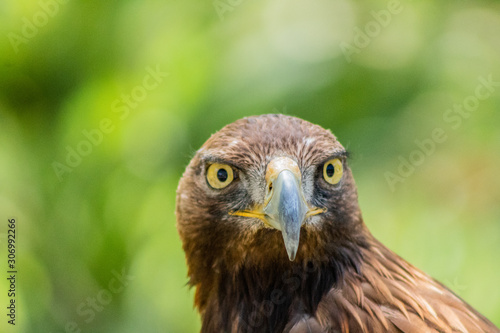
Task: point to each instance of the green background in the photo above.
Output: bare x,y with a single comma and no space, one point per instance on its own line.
64,67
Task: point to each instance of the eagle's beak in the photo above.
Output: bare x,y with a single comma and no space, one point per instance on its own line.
285,207
287,210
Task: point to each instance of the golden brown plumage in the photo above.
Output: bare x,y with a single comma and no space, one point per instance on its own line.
275,241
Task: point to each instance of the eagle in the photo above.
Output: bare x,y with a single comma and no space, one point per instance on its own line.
274,239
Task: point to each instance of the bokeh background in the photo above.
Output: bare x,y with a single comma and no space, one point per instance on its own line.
71,69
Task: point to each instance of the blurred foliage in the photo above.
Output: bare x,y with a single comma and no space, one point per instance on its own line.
66,66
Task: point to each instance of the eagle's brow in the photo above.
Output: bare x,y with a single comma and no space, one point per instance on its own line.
339,154
210,159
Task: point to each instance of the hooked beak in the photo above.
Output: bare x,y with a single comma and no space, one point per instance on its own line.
285,207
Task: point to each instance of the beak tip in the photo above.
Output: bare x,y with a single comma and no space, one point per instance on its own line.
292,252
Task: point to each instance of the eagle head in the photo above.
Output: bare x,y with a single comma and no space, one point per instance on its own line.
266,190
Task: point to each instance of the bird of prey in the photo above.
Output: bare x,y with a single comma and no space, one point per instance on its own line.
274,239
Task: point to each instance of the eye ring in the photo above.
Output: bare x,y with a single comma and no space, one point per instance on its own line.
333,171
219,175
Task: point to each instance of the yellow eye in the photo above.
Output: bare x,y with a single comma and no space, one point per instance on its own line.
333,171
219,175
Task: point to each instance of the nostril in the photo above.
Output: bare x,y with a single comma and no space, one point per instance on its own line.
270,186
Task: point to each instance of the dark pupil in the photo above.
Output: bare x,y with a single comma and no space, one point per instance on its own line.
222,175
330,170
